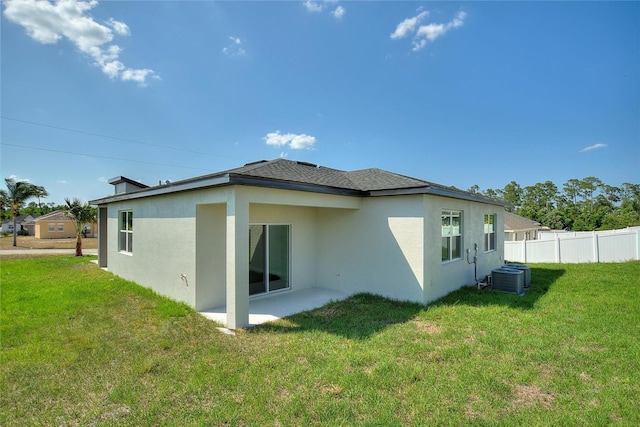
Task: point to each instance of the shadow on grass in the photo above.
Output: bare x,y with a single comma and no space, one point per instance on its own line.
541,280
363,315
358,317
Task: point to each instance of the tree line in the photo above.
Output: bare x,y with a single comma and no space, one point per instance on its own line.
580,205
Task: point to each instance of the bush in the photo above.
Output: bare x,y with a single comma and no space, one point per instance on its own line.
23,232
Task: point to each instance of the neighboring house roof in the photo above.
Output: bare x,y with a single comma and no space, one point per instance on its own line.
57,216
303,176
19,219
513,223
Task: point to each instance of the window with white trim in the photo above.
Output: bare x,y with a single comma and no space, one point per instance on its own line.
60,228
451,235
52,227
489,232
125,231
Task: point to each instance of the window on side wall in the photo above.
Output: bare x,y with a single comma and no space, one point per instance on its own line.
60,228
489,232
52,227
125,233
451,235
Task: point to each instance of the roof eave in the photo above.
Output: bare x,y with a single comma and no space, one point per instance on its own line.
176,187
226,179
439,191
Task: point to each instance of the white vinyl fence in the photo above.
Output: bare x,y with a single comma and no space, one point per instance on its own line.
597,246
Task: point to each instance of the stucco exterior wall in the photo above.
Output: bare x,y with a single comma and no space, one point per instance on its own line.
42,230
376,249
442,278
184,235
163,246
388,245
384,253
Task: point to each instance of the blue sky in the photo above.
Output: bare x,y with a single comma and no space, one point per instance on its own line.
456,93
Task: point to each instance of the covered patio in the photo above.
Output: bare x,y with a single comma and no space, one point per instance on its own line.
278,305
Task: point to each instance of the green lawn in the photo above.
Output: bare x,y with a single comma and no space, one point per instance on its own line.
83,347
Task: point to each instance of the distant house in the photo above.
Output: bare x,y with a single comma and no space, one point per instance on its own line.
20,220
56,225
271,227
517,227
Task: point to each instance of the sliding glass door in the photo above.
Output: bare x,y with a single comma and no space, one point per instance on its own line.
269,258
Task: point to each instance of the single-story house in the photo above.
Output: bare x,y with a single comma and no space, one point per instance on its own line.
517,227
271,227
20,220
56,225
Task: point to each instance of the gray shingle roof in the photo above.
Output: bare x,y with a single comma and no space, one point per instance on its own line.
296,172
289,174
513,222
53,216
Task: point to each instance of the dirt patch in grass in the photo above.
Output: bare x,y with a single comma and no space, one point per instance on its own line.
532,395
427,326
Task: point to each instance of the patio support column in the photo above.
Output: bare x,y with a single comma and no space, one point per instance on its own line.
237,261
102,236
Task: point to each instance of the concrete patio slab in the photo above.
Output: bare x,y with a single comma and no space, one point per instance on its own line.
279,305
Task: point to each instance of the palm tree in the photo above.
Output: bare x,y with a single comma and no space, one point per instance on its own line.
4,202
40,194
80,214
16,195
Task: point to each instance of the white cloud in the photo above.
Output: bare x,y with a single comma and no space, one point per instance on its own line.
103,179
47,23
119,27
593,147
235,48
408,25
139,76
313,6
426,33
317,6
431,31
294,141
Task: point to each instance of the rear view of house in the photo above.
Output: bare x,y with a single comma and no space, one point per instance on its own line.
272,227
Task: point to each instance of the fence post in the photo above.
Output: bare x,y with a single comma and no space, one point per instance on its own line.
638,244
596,247
558,257
524,250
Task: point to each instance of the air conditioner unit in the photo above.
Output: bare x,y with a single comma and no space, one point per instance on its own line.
525,268
508,280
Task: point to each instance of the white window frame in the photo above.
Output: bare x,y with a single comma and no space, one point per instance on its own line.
60,228
52,227
490,232
125,234
451,234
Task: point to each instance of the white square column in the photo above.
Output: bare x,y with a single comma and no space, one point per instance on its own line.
237,254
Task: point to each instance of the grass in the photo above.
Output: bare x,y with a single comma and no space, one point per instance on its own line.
83,347
30,242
